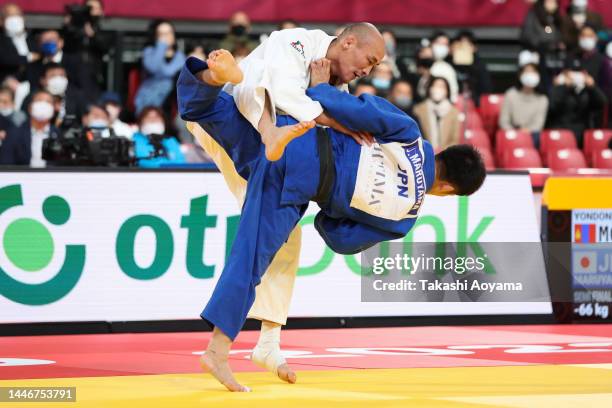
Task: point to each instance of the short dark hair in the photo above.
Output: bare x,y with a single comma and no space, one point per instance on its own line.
437,78
51,65
438,34
463,167
148,109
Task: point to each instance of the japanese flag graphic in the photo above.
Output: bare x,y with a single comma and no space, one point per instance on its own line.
585,262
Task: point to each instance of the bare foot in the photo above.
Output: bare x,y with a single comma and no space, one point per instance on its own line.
276,139
220,369
223,67
273,361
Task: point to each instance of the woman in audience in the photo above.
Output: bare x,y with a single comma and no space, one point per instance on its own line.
438,118
524,107
161,62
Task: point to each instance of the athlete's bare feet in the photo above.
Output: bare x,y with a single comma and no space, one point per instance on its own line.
214,361
223,68
276,139
271,359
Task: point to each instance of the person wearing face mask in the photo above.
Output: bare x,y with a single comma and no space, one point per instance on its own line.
392,55
151,137
97,119
161,62
577,16
541,29
437,117
576,102
237,40
441,67
51,46
588,54
382,75
524,107
23,145
7,107
471,71
18,47
401,95
68,99
112,104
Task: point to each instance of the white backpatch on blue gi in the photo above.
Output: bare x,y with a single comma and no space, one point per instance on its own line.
390,180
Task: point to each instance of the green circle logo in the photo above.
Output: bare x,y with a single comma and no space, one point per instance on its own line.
28,244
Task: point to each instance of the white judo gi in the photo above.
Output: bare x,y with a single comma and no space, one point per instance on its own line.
279,66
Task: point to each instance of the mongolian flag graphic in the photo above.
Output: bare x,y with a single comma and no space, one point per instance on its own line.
584,233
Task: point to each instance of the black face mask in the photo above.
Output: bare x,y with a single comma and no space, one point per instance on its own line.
425,62
238,30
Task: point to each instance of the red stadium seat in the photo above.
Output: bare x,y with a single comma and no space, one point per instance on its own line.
477,138
471,120
506,140
566,159
602,159
521,158
134,79
556,139
596,140
490,108
487,157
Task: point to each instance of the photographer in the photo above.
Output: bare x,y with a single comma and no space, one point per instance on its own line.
83,37
152,147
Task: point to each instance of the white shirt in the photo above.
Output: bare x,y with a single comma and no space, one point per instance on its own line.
280,66
37,143
21,44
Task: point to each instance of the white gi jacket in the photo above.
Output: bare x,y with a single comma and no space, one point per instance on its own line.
281,66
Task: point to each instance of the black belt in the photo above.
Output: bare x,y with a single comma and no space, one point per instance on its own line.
327,169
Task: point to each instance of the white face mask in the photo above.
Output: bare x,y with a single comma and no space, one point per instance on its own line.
587,43
578,80
153,128
98,124
57,85
440,51
6,111
530,79
14,25
437,94
609,49
42,111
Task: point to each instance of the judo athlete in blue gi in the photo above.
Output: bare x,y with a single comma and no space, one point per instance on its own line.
367,194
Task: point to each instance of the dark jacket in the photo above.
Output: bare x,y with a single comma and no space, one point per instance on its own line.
76,104
17,146
11,63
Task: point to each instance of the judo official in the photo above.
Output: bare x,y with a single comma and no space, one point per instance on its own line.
367,194
277,73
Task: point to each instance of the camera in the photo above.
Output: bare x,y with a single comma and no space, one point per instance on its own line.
81,146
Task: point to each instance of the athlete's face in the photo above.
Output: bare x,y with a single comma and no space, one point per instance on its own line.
357,60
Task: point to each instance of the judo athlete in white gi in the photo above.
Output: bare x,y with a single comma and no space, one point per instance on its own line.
279,69
367,194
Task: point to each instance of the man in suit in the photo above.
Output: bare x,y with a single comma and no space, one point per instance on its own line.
18,47
23,145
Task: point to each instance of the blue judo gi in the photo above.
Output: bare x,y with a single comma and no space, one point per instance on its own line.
397,171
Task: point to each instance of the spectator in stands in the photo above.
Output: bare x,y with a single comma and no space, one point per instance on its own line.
83,37
51,46
607,79
18,47
424,61
7,107
382,75
364,86
391,55
68,99
287,24
161,62
23,145
578,15
437,117
401,95
151,137
112,104
541,29
576,103
472,72
590,57
237,40
20,89
96,117
441,67
524,106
